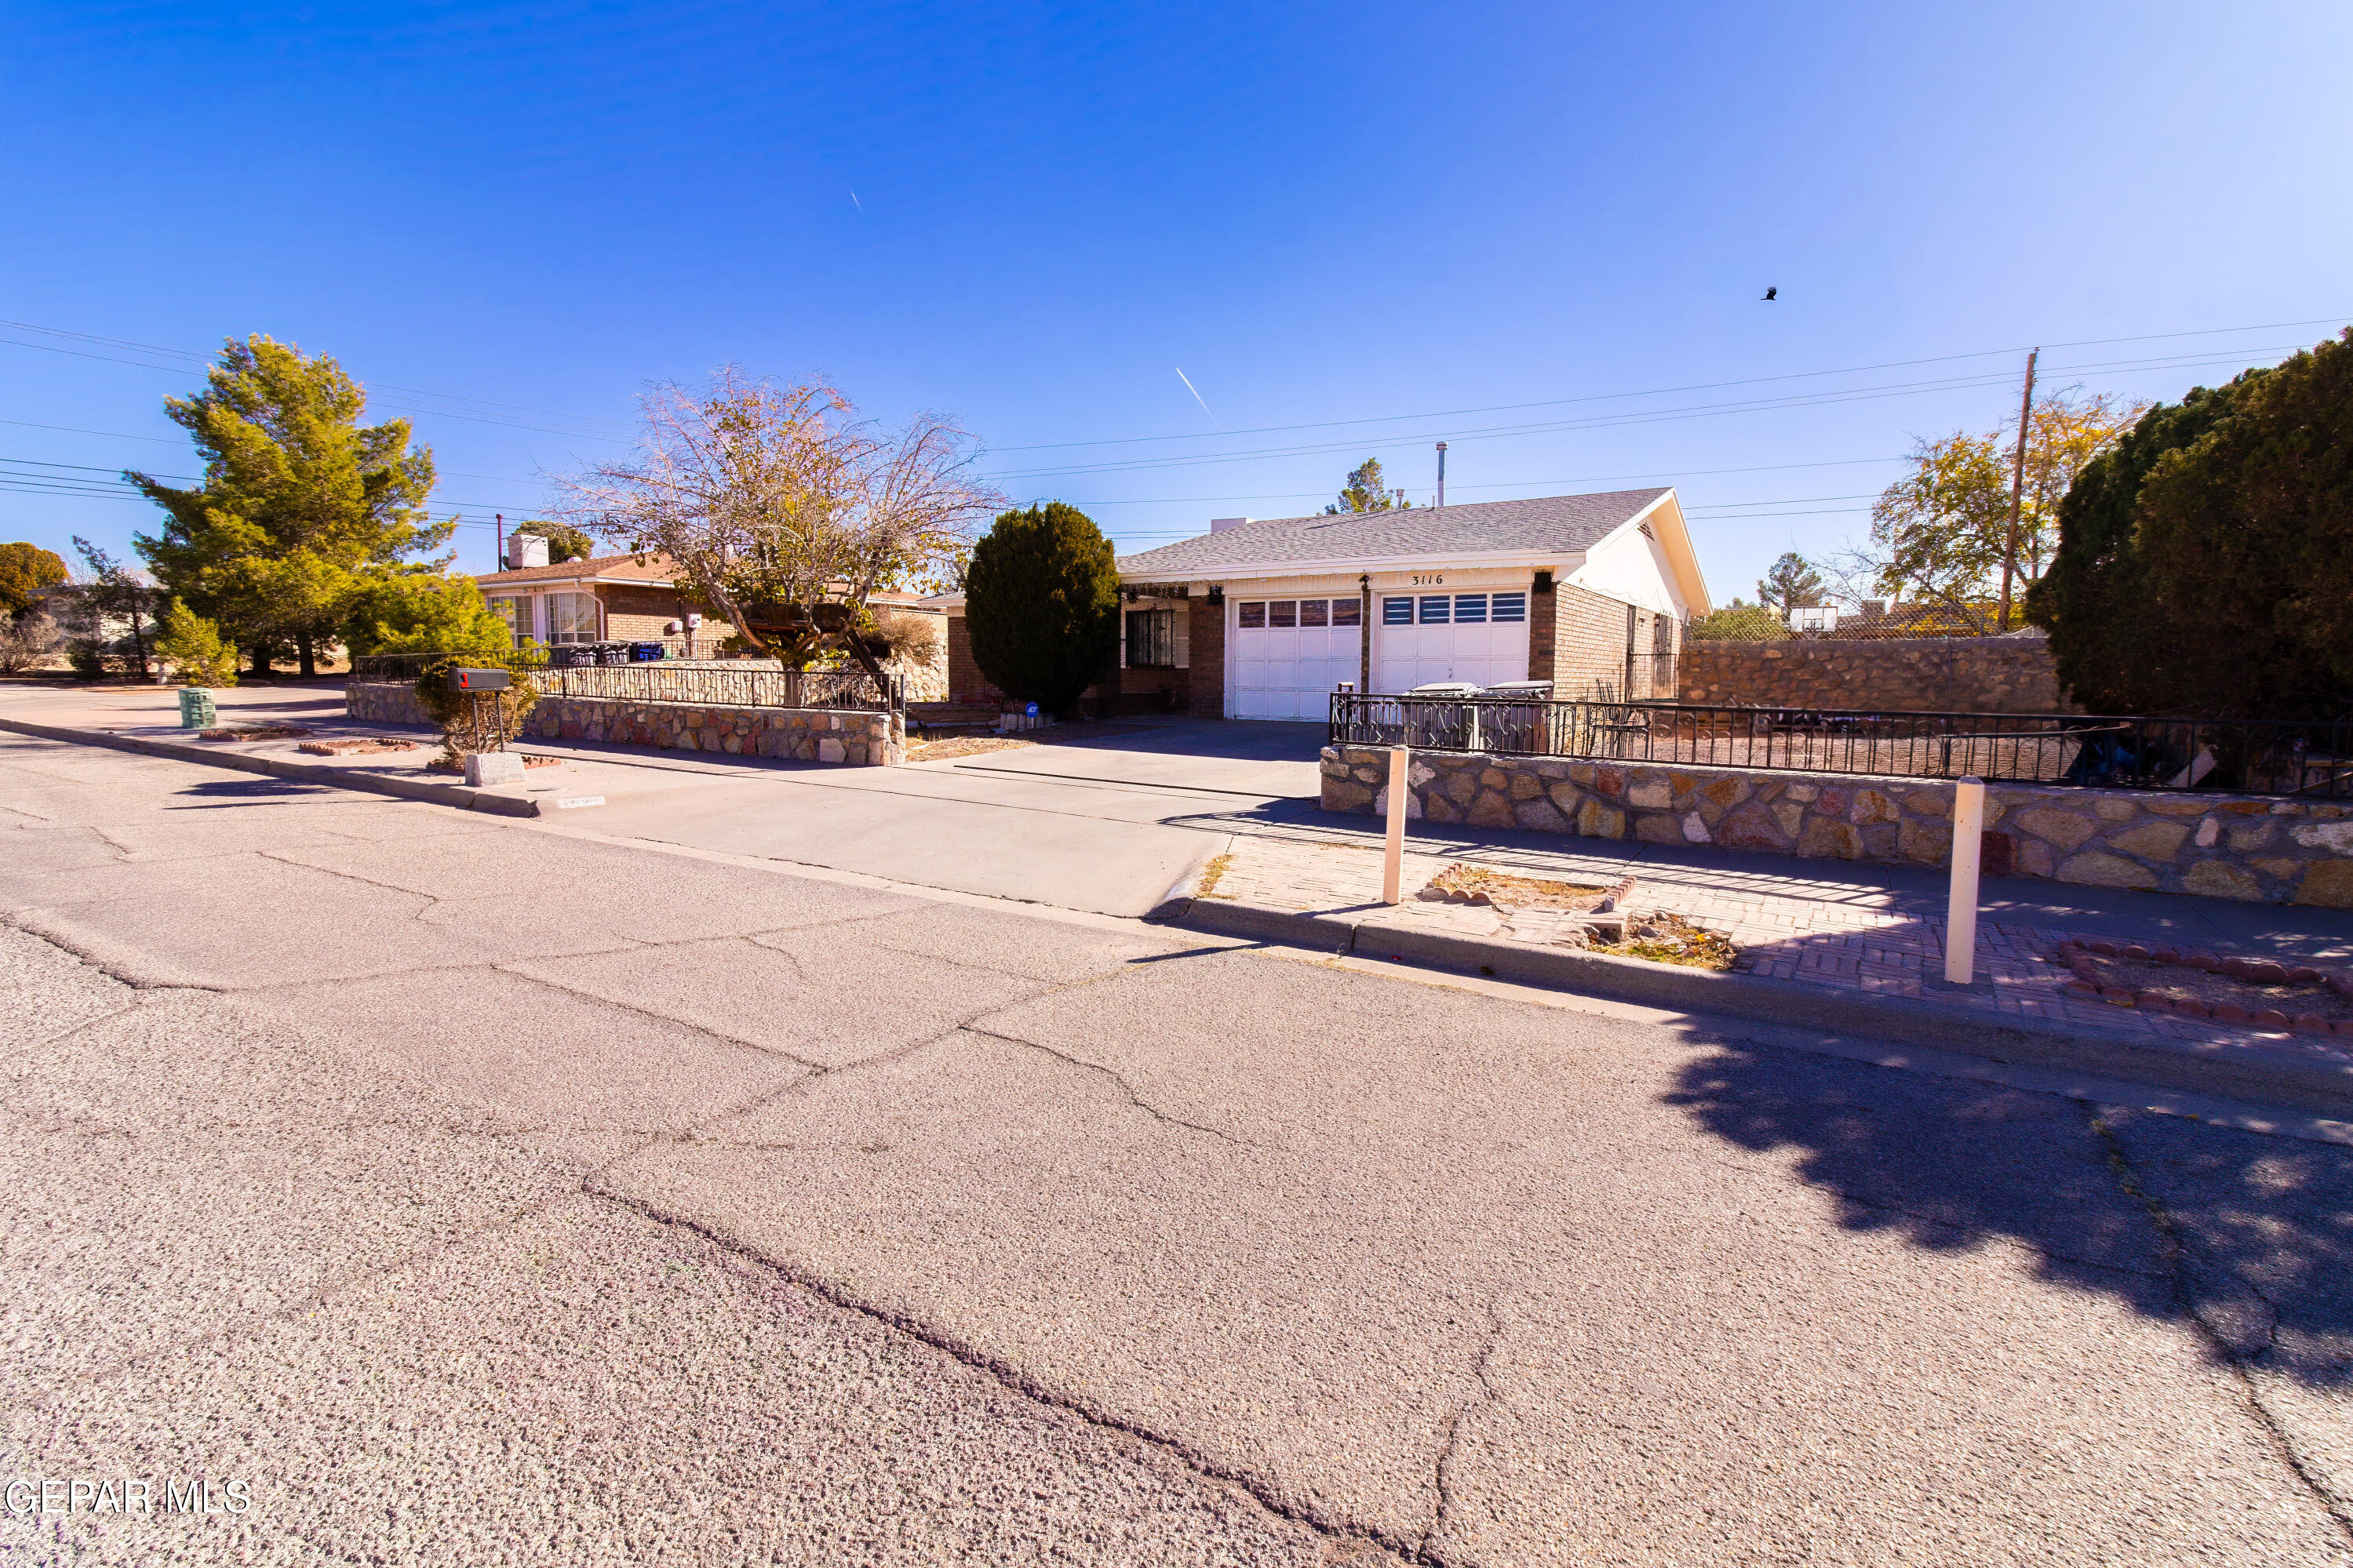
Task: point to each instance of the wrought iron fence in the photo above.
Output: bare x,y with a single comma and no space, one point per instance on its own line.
725,683
2254,757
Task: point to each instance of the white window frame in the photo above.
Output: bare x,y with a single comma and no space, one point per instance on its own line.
559,611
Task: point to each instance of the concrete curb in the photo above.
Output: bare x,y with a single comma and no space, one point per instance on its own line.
1186,888
2257,1070
457,795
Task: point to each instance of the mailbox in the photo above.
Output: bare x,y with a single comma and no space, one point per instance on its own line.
478,680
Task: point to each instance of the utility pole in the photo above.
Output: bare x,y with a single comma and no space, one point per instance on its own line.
2017,488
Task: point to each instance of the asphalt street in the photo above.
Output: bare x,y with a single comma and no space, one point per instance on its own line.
469,1190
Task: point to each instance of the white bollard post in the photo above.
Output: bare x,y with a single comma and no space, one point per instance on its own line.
1393,859
1961,911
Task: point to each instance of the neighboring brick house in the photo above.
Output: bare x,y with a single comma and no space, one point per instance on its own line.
618,598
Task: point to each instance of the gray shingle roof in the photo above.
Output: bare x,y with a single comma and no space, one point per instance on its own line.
1566,524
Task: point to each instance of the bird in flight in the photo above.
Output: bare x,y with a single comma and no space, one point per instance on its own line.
1772,290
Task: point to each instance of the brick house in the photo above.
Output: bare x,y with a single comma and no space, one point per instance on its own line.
1264,619
618,598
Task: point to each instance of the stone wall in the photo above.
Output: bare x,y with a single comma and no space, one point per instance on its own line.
383,702
2231,846
854,738
1951,675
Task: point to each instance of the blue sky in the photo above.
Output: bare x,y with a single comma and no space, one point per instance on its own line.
1356,230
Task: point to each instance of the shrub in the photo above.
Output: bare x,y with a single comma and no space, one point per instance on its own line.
906,640
477,721
27,642
424,613
87,656
1042,603
191,648
1739,622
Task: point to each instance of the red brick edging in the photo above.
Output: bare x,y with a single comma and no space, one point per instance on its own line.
2075,956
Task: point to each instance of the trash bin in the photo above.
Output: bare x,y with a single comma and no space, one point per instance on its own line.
612,653
196,711
570,656
645,653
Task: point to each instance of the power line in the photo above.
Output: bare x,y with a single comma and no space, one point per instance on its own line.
206,359
1645,416
1665,391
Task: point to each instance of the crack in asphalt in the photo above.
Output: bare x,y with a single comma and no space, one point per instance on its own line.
1125,1087
1013,1378
14,920
1441,1471
2177,1255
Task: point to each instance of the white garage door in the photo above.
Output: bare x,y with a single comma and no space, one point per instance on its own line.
1425,638
1289,655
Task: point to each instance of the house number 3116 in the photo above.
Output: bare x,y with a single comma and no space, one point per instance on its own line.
1422,582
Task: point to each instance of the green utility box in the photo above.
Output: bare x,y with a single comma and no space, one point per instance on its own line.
196,708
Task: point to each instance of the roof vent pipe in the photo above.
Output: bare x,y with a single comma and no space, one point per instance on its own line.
1441,473
1220,524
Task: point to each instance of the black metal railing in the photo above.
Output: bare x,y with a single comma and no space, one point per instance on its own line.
2314,761
723,683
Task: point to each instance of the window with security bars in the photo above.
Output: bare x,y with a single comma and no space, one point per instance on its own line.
1151,639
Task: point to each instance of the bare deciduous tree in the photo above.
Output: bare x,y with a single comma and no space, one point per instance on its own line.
778,502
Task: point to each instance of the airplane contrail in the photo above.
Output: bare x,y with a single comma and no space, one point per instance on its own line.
1197,395
855,203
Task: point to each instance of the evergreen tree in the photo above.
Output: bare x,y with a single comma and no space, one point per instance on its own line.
1793,584
1041,604
2205,565
301,507
1366,492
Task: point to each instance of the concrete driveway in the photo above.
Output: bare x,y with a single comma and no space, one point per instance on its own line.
1104,824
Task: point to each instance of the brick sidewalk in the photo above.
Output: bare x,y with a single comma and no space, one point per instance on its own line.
1826,934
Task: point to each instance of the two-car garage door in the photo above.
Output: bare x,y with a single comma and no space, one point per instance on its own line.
1288,655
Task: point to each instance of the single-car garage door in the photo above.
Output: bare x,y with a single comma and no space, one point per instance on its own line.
1290,654
1425,638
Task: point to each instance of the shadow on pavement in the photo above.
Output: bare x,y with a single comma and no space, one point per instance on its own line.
2265,1223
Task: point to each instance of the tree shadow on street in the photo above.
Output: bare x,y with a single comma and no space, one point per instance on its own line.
2263,1223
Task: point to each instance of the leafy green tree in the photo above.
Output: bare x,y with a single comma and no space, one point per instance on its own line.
1791,584
1740,621
1041,604
1365,491
300,507
191,648
424,613
25,570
